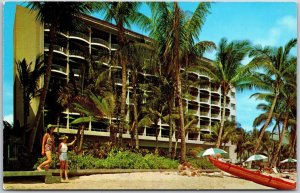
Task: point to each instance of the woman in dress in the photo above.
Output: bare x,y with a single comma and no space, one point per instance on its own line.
47,147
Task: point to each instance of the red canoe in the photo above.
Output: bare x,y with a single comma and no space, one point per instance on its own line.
253,176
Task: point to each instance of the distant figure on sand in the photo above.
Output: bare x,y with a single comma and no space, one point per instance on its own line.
186,168
63,158
47,147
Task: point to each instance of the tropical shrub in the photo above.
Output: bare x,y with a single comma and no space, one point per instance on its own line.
115,159
201,163
72,162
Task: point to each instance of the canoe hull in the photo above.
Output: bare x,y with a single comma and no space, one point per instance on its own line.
253,176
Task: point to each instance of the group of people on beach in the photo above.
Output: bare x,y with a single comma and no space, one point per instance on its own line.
48,147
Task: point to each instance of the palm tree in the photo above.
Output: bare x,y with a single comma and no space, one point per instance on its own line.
275,62
227,71
60,16
95,107
229,133
243,143
123,14
29,79
174,37
289,95
142,57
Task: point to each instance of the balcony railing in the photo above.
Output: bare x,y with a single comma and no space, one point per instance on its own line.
204,113
214,89
100,41
215,102
192,111
58,68
76,53
215,115
118,80
204,127
204,87
115,46
57,48
204,100
192,138
79,34
192,97
99,129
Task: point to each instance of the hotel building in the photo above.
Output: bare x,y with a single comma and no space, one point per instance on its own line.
71,52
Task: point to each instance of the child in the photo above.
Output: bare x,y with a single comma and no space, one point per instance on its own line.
63,158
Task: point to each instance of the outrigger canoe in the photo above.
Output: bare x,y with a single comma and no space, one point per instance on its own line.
256,177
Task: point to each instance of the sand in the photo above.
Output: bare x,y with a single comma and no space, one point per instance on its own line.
141,181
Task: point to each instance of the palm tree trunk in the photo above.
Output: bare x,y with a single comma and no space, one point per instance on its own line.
262,130
293,146
45,88
176,143
156,140
222,120
58,120
276,154
170,130
81,137
135,113
121,36
178,81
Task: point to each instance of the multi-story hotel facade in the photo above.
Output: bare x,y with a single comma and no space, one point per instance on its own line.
70,53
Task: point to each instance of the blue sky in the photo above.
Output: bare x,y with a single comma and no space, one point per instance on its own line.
265,23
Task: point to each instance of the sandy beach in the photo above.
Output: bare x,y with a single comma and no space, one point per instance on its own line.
142,181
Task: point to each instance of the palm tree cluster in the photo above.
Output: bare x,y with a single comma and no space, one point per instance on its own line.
279,89
174,51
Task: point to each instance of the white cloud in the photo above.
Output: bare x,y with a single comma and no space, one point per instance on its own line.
272,39
288,22
275,34
9,118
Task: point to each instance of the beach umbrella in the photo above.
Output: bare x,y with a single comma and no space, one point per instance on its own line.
256,157
289,160
211,151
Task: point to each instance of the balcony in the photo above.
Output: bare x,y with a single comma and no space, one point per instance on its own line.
76,72
204,114
232,94
58,68
191,97
100,41
57,48
76,53
193,111
204,87
215,115
215,89
115,46
204,128
215,103
204,100
79,35
118,80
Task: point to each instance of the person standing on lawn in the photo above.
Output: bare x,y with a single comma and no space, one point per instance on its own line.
47,147
63,157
